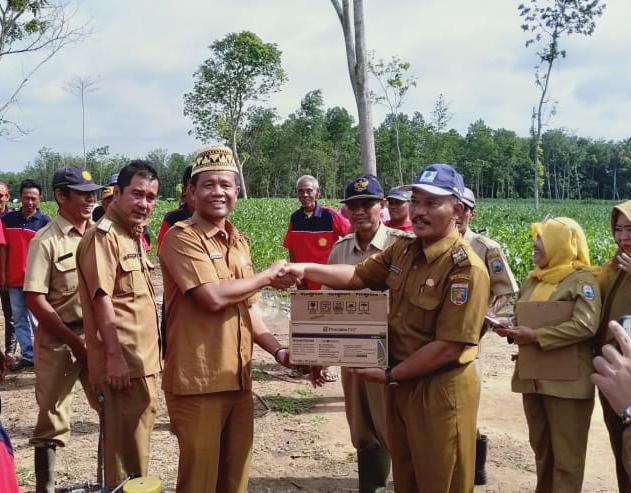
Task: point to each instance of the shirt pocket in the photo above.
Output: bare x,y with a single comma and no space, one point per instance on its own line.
424,311
130,276
66,280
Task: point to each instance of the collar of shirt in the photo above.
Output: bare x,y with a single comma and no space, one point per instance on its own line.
35,217
317,212
436,249
468,236
65,226
211,229
378,241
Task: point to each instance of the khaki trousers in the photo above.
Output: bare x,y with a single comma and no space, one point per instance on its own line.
56,372
215,433
128,421
432,430
558,429
365,411
620,439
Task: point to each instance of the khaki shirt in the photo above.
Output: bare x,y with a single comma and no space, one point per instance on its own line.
615,286
51,268
348,251
502,279
110,259
581,287
436,293
207,351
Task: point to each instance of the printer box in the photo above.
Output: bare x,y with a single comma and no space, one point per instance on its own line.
345,328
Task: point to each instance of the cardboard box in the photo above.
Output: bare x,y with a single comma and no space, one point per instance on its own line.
346,328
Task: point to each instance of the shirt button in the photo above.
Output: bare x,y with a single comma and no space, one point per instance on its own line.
414,267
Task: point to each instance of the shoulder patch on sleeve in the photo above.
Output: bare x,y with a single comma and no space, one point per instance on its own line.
104,225
587,291
497,266
459,293
459,255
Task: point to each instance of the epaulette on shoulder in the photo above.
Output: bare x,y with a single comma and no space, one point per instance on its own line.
104,225
347,237
183,224
459,255
402,234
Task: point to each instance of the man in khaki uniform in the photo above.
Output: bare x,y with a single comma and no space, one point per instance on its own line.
365,401
50,287
439,292
121,322
210,290
503,288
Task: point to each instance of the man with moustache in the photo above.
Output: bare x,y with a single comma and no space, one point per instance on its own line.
121,322
10,342
210,290
439,292
50,287
364,400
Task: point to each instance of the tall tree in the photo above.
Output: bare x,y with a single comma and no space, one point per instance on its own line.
81,87
395,80
39,28
547,22
241,71
356,58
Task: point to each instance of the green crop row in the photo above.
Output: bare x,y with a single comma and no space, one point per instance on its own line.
264,222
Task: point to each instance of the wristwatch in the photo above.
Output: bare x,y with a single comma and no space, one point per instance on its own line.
389,380
626,416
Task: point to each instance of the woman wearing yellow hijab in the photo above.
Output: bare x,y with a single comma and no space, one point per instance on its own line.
558,412
615,285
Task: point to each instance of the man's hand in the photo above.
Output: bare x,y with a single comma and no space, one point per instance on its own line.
520,334
377,375
613,370
79,351
624,262
316,376
282,357
117,371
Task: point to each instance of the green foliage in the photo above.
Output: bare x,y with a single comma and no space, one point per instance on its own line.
289,406
242,69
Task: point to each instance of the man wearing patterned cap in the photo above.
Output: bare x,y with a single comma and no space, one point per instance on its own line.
50,286
120,321
503,287
439,292
210,290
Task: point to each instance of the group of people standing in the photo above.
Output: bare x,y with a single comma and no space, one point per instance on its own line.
87,292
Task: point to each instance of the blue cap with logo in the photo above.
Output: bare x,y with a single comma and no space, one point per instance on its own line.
364,187
439,179
75,178
113,180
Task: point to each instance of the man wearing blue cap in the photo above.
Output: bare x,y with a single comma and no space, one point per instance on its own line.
50,286
365,401
439,293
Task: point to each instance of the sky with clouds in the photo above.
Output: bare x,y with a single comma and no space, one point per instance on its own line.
144,52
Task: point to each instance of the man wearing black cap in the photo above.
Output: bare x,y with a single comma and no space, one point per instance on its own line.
50,286
439,292
365,404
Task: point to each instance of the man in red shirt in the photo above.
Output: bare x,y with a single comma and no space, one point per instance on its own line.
10,343
313,229
399,209
20,227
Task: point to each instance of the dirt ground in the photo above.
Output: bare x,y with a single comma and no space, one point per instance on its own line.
301,439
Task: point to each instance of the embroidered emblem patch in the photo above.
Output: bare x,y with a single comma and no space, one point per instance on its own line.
394,269
588,292
360,185
86,175
497,266
428,176
215,255
322,242
459,293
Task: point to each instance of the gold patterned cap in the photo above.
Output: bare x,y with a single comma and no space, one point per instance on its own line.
214,158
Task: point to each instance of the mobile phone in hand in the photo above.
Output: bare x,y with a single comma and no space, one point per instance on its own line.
493,322
625,321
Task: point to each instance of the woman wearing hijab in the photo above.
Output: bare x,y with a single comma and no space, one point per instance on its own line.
615,286
558,412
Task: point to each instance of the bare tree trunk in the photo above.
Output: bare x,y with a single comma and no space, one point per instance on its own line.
358,72
83,124
396,135
244,189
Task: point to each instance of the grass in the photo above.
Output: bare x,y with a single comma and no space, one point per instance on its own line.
289,406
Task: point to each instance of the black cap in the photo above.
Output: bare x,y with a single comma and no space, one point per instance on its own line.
76,179
364,187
